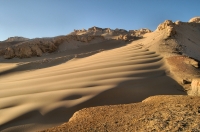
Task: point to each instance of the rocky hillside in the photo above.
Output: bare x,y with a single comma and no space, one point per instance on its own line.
20,47
178,43
36,47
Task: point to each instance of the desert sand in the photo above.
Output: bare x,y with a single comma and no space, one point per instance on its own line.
110,68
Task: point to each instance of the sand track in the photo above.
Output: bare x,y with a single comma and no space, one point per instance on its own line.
49,96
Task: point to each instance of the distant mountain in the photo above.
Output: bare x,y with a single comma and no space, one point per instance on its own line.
16,38
21,47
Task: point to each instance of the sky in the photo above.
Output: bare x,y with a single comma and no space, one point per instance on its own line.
49,18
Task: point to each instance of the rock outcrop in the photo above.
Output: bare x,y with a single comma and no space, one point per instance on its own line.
38,46
195,20
154,114
113,32
95,29
195,87
36,51
22,51
167,25
21,47
16,38
9,53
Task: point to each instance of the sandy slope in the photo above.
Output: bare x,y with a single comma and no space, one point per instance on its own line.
38,93
37,99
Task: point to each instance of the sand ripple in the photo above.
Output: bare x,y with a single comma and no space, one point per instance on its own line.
42,98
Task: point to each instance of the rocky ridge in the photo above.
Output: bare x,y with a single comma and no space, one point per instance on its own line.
38,46
121,34
195,20
178,43
16,38
26,48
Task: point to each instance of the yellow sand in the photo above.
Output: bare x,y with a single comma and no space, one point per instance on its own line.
35,99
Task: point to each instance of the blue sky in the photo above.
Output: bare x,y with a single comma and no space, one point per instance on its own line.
48,18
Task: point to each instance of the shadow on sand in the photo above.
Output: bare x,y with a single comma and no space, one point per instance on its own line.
130,91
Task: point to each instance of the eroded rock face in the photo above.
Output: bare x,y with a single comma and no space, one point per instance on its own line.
36,51
38,46
24,51
195,20
115,33
167,25
195,87
9,53
171,31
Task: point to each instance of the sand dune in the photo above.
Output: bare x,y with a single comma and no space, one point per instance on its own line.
38,99
38,93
